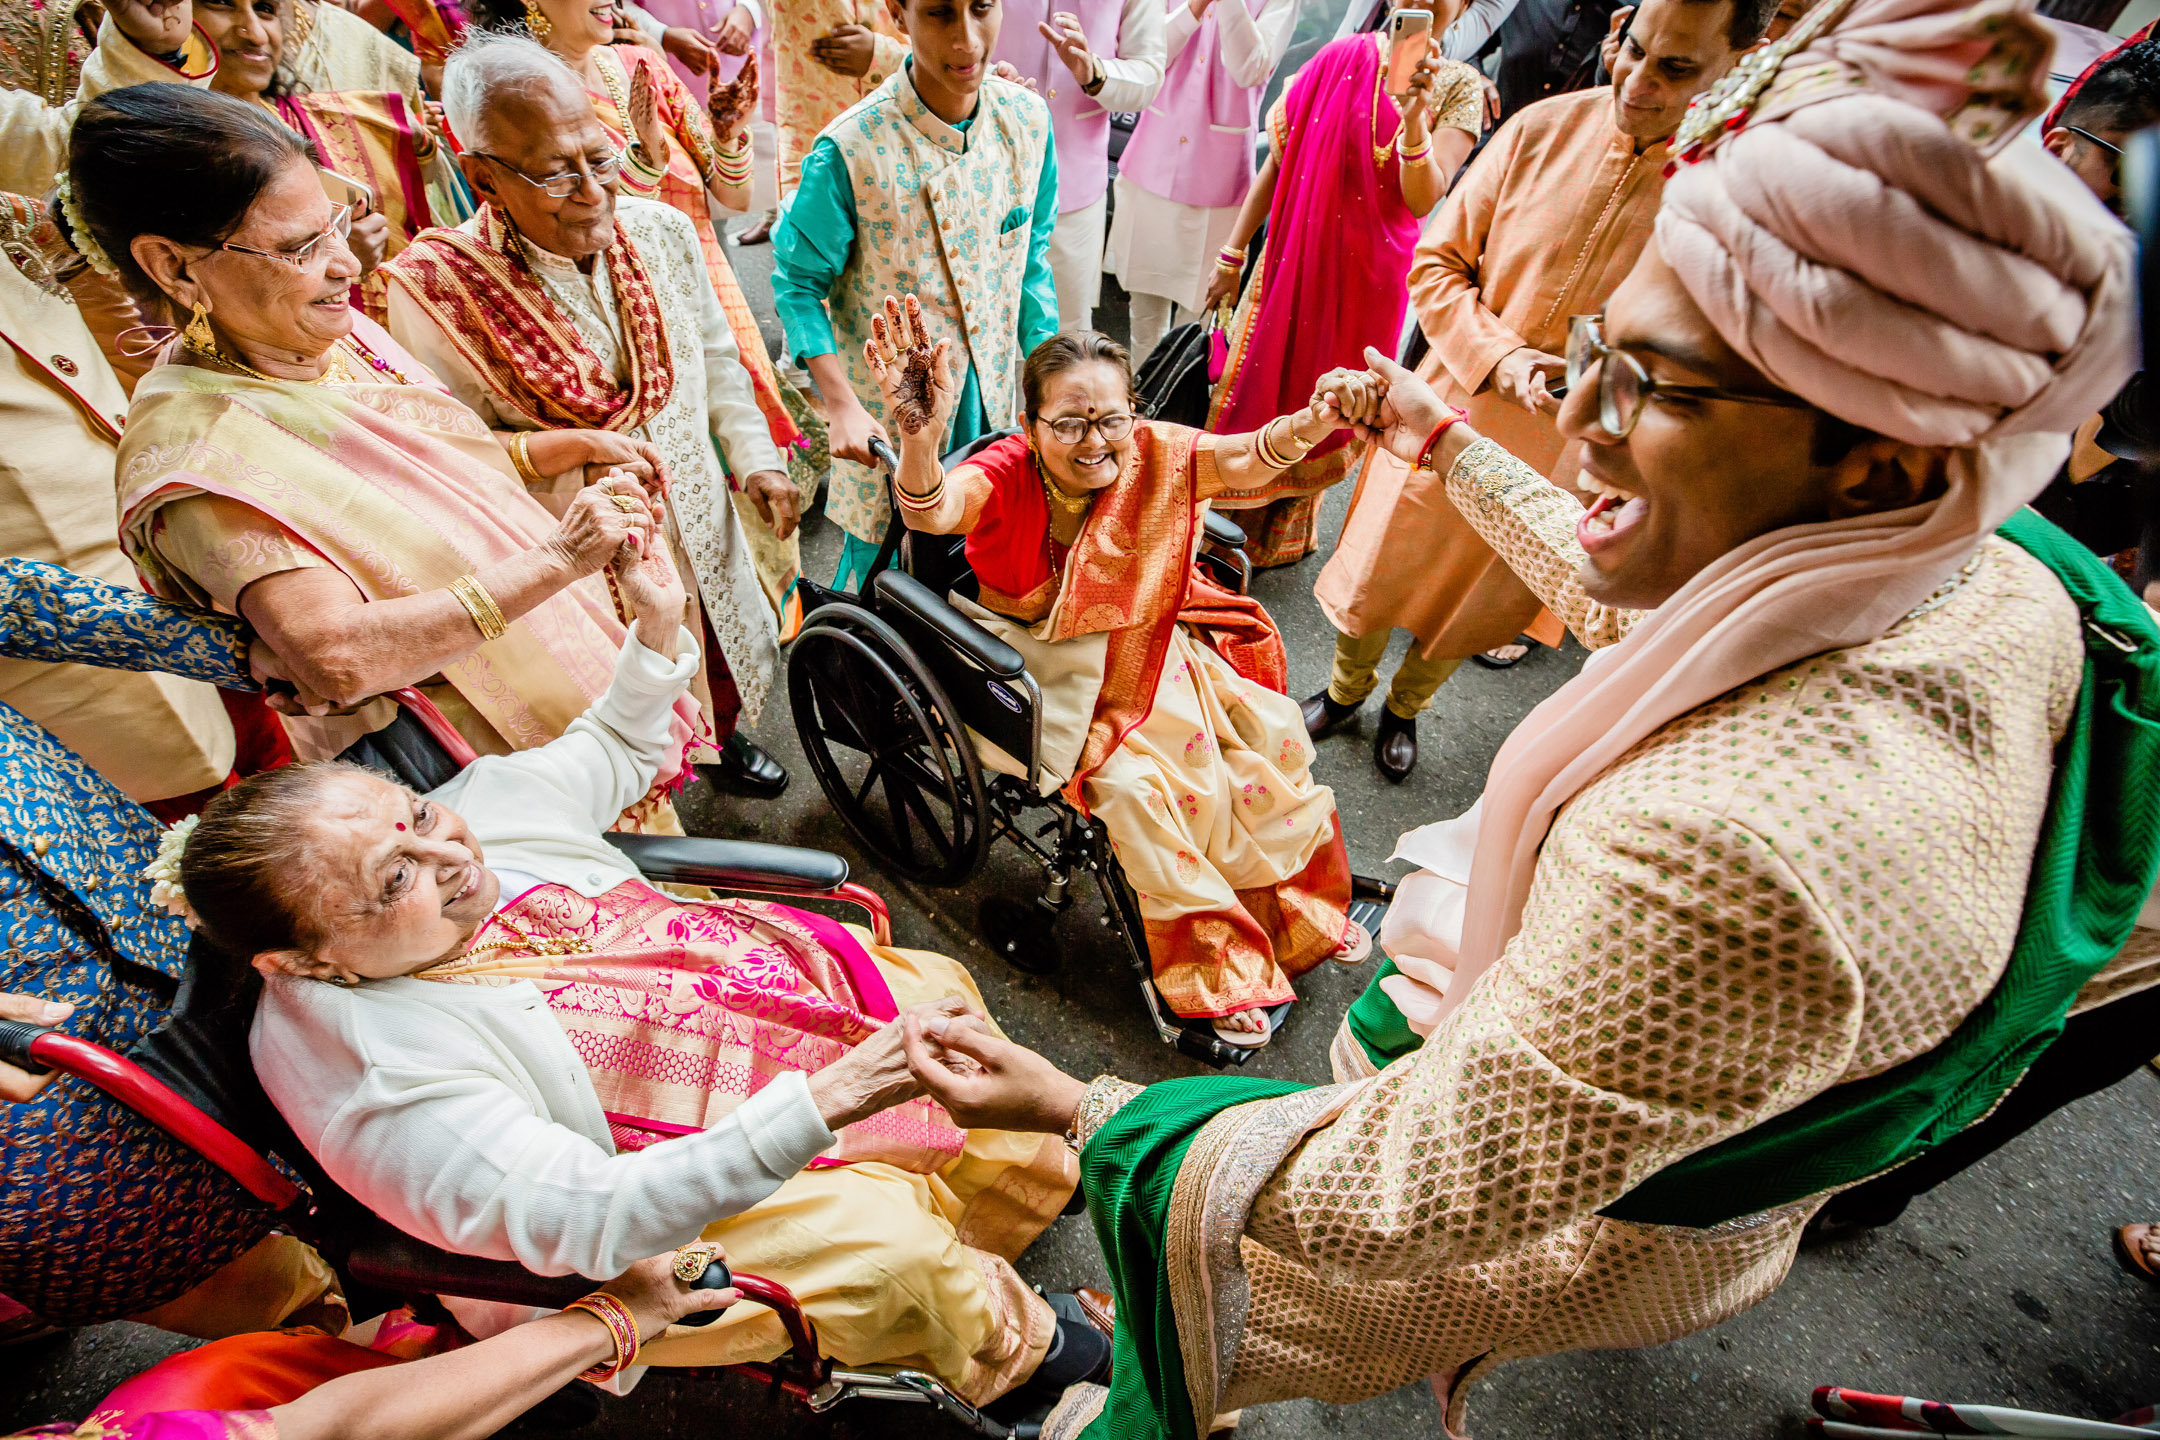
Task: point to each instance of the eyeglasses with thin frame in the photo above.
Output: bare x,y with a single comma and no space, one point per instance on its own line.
339,228
2114,151
1072,429
1625,389
565,183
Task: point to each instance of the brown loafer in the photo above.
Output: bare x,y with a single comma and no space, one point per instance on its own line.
1100,1307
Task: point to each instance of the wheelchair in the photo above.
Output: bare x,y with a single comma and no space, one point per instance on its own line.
192,1078
887,684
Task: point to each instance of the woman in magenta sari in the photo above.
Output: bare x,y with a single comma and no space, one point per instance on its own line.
1349,176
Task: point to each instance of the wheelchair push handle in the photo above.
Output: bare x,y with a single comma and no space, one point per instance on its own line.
18,1039
886,455
716,1277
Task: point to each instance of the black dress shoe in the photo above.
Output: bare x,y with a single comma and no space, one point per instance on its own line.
1394,747
1324,717
745,768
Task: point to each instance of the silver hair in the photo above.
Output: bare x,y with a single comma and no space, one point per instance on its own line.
486,65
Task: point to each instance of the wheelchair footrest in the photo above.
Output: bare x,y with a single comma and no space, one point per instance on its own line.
1369,913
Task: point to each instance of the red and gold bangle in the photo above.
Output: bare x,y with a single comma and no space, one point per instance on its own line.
622,1328
1424,454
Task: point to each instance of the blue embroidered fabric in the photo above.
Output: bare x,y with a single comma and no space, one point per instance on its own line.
101,1213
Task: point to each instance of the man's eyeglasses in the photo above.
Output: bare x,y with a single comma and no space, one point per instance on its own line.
1625,388
339,227
2114,151
1072,429
563,184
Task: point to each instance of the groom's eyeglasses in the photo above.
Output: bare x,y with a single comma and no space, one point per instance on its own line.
1625,389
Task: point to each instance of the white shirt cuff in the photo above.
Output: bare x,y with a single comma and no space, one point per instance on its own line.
783,1124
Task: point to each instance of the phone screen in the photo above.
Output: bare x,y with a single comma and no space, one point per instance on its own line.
1409,36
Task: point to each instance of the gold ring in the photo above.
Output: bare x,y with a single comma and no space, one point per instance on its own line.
628,504
693,1260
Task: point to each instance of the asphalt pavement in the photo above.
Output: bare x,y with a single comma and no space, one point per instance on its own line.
1997,1287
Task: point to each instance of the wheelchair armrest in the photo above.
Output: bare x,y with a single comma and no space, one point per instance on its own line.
741,864
1225,531
970,639
391,1260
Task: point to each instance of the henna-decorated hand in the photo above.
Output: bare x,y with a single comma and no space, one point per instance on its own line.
645,120
734,102
915,376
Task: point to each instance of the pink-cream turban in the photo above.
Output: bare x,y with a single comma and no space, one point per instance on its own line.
1852,238
1864,254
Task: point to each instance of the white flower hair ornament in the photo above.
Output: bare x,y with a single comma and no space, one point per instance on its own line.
163,873
79,231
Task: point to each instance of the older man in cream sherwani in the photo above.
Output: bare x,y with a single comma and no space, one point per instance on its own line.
575,309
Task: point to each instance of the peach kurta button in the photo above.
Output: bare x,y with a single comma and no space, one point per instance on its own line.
66,366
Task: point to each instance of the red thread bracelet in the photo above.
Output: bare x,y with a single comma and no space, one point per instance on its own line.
1424,454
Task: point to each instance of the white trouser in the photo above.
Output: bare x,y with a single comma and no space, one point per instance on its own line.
1076,250
1152,317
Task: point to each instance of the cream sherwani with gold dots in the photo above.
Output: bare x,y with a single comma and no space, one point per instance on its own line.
1808,880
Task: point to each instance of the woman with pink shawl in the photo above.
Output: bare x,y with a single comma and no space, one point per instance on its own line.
1794,880
1349,176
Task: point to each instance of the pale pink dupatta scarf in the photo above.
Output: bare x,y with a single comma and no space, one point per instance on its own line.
1864,254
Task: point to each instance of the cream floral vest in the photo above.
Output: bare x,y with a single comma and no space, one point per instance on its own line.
945,214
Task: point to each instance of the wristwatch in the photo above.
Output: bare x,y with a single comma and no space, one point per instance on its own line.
1095,76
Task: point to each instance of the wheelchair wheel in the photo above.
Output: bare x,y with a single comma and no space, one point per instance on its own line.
887,746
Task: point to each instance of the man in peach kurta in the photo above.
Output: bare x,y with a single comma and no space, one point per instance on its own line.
1544,225
816,46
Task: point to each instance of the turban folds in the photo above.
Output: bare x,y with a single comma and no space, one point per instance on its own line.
1855,243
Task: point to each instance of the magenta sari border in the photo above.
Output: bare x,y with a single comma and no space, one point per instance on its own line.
877,996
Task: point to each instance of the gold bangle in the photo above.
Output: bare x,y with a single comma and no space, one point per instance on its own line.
622,1330
927,501
521,457
486,614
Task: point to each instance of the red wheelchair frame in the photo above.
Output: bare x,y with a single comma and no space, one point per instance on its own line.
375,1258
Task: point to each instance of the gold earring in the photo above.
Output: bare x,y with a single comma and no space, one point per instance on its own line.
537,22
197,336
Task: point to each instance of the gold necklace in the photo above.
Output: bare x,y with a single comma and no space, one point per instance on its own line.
523,940
1380,148
335,370
1070,504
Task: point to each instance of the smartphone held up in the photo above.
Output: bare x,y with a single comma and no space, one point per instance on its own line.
1409,38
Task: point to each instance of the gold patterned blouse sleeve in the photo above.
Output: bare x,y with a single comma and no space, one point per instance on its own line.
1530,523
1673,983
1461,102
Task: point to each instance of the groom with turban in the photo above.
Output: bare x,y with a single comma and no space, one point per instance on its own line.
1796,878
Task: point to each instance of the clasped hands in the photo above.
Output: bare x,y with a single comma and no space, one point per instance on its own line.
1391,407
946,1049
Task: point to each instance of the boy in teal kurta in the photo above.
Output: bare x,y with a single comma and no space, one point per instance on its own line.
942,183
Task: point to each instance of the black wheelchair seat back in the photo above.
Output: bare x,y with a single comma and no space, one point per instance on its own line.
985,678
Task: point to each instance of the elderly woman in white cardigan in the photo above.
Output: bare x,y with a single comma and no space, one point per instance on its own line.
489,1029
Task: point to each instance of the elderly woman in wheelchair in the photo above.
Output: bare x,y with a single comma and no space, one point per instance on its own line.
486,1027
1162,706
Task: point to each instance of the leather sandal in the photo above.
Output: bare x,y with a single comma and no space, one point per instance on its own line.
1490,662
2130,1252
1100,1307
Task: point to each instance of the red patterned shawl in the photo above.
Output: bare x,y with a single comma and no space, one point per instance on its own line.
1129,572
482,292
